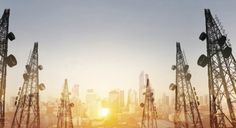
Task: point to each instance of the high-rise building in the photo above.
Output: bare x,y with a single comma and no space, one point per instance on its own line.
165,100
75,91
93,104
116,100
10,106
172,100
141,86
132,101
122,98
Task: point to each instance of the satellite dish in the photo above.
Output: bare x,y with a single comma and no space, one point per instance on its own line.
172,87
142,105
222,41
203,36
186,67
188,76
25,76
226,52
71,104
151,94
152,100
41,87
11,36
40,67
11,61
202,60
173,67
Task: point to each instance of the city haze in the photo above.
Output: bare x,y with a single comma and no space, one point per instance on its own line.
104,45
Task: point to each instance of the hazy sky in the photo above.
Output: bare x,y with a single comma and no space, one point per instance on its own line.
105,44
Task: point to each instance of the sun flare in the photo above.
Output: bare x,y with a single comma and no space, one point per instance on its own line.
104,112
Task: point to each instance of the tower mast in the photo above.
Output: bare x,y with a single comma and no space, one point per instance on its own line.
186,105
4,60
221,73
27,114
64,115
149,117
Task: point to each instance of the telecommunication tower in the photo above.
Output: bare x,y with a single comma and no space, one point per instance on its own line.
149,117
186,101
64,114
27,114
221,73
5,60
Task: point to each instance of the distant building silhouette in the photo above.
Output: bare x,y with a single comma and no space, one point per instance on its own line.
132,101
116,100
165,100
93,104
75,92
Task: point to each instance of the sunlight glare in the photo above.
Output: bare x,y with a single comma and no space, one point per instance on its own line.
104,112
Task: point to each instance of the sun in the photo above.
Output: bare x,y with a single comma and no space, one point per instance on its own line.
104,112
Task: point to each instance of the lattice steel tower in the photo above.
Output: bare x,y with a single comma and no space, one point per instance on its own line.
186,105
149,117
64,114
27,114
221,73
4,60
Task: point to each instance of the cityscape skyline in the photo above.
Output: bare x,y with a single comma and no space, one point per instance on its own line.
98,35
110,63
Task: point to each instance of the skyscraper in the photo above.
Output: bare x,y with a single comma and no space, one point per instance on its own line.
93,104
116,100
132,101
75,91
165,99
122,98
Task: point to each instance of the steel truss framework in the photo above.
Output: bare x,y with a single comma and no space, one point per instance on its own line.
64,114
186,105
149,117
27,114
4,60
221,73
